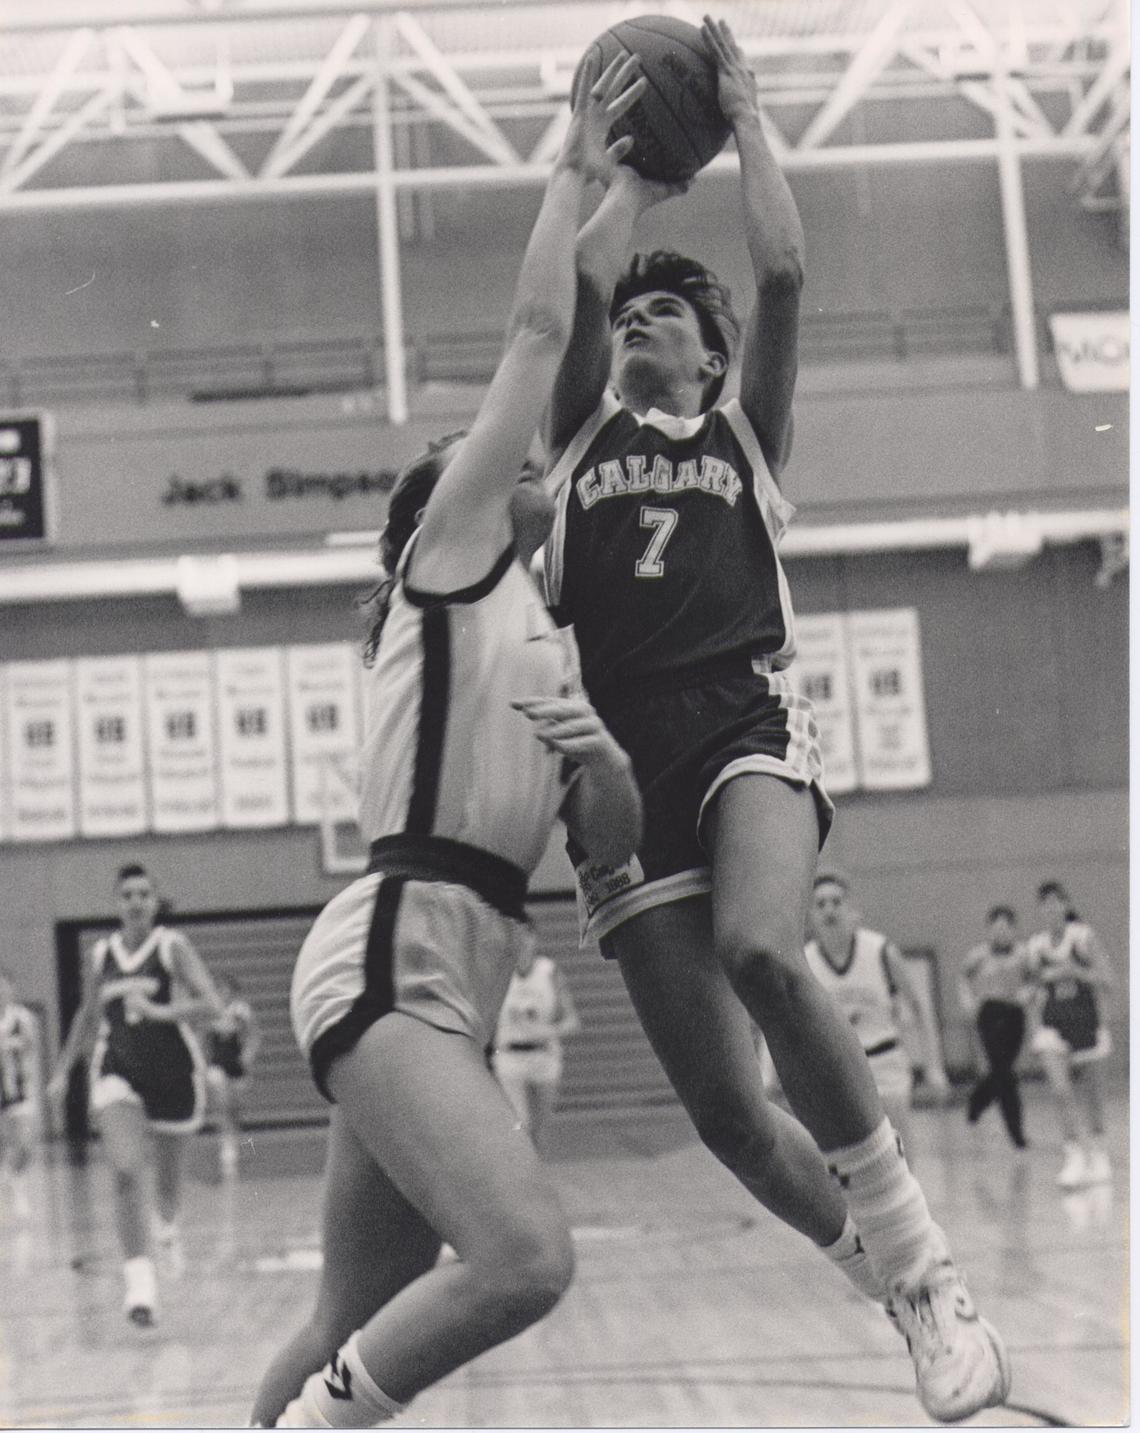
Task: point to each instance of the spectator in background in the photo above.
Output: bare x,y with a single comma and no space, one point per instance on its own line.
232,1043
1070,969
537,1014
20,1080
993,990
867,974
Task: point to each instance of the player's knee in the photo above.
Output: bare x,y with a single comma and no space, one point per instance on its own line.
531,1271
766,969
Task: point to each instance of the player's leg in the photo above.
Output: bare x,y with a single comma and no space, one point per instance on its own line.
763,833
126,1141
1009,1033
541,1098
702,1037
429,1112
986,1089
1055,1061
374,1244
168,1155
1092,1078
510,1072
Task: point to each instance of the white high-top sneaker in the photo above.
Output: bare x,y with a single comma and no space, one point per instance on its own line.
141,1292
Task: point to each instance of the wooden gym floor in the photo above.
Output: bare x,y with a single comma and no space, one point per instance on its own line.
692,1307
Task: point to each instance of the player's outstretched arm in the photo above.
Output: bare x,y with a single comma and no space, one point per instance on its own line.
600,256
468,509
775,238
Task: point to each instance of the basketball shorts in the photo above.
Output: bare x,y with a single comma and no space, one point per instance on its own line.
892,1074
542,1066
1048,1040
428,947
166,1076
685,744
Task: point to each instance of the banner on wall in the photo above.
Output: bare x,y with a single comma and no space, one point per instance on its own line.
41,764
324,705
179,698
890,706
1093,351
112,750
820,672
251,737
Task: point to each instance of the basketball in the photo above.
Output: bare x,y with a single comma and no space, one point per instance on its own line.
677,125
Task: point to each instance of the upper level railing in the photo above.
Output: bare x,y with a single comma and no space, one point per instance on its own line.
288,367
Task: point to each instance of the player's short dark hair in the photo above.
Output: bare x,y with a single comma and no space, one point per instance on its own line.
709,299
414,485
130,871
1001,912
831,878
1055,888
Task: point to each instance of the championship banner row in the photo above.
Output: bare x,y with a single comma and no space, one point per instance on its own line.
173,742
248,737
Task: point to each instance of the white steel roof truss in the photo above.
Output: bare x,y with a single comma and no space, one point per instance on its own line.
328,72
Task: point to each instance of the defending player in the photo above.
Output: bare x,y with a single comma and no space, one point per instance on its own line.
147,1080
867,975
20,1078
1070,968
664,557
399,983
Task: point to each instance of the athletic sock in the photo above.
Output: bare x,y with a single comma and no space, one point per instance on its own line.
342,1395
851,1258
888,1207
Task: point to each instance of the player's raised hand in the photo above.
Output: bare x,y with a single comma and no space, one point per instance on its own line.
571,727
736,84
600,99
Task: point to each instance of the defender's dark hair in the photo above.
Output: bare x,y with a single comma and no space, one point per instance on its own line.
999,911
1055,888
700,288
130,871
413,487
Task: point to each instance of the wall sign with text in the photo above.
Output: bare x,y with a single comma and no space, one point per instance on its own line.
26,497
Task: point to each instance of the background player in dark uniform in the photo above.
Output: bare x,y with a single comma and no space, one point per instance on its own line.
664,557
398,985
993,991
21,1074
232,1042
147,1077
1070,968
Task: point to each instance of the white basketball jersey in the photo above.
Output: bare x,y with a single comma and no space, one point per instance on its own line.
860,985
444,752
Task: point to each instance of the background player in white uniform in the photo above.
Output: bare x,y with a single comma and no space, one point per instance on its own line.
867,974
1070,968
538,1013
478,734
993,990
232,1043
21,1076
665,559
147,1079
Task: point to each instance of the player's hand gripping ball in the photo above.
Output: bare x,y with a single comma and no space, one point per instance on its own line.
677,125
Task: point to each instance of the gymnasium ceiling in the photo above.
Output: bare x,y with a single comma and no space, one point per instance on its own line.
130,102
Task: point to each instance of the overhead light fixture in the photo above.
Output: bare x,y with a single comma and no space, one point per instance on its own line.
1003,540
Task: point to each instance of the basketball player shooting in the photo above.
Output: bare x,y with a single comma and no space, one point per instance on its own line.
664,557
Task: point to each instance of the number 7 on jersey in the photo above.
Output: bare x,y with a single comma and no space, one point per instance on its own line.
662,522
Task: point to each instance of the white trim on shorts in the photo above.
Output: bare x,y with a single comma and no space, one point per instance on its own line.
115,1089
1049,1041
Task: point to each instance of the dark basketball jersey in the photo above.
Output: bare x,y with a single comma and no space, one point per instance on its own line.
127,1043
664,549
1071,1006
